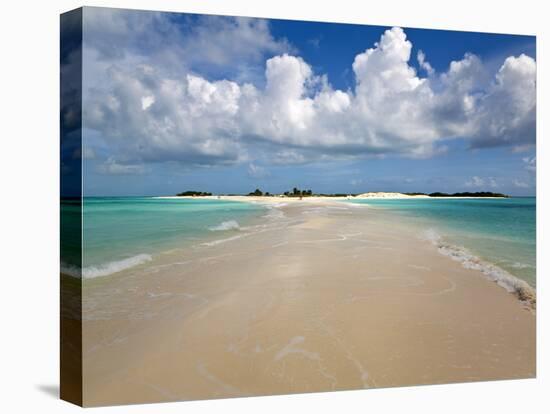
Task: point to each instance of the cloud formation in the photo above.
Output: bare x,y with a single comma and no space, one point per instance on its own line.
520,183
479,182
156,102
257,171
530,164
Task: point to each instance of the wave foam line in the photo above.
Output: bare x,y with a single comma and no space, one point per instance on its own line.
220,241
226,225
274,213
521,289
106,269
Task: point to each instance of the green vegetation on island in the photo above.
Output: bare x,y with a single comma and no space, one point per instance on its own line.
193,194
296,192
257,192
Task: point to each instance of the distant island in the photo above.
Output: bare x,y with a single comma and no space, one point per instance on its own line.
479,194
298,193
193,194
468,194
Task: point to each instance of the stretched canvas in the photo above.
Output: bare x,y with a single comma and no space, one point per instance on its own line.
256,207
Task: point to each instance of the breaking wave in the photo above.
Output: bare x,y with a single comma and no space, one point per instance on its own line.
511,283
226,225
106,269
274,213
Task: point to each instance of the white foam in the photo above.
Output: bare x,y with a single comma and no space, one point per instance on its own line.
226,225
469,261
153,295
358,205
106,269
71,270
219,241
293,348
518,265
274,214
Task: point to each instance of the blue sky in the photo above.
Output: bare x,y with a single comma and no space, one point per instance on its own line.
175,102
332,47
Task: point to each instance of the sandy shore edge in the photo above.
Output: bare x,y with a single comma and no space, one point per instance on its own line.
326,297
512,284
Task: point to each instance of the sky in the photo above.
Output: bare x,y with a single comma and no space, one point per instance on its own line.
175,102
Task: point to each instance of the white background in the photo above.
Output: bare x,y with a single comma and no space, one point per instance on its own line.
29,102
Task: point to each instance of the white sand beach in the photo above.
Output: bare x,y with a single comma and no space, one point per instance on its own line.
321,295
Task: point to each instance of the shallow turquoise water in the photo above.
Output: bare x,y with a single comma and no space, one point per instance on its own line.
501,231
122,232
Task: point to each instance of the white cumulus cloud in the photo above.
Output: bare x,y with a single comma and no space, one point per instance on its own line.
423,63
154,103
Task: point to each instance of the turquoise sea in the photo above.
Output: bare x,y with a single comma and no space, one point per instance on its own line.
122,232
499,231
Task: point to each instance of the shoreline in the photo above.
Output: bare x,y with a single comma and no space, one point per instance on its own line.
324,296
282,198
513,284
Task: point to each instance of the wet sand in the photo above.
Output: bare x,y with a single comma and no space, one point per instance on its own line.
319,296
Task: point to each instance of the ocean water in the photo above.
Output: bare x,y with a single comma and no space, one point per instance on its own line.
122,232
501,232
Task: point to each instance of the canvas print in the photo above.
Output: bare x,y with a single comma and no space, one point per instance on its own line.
256,206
